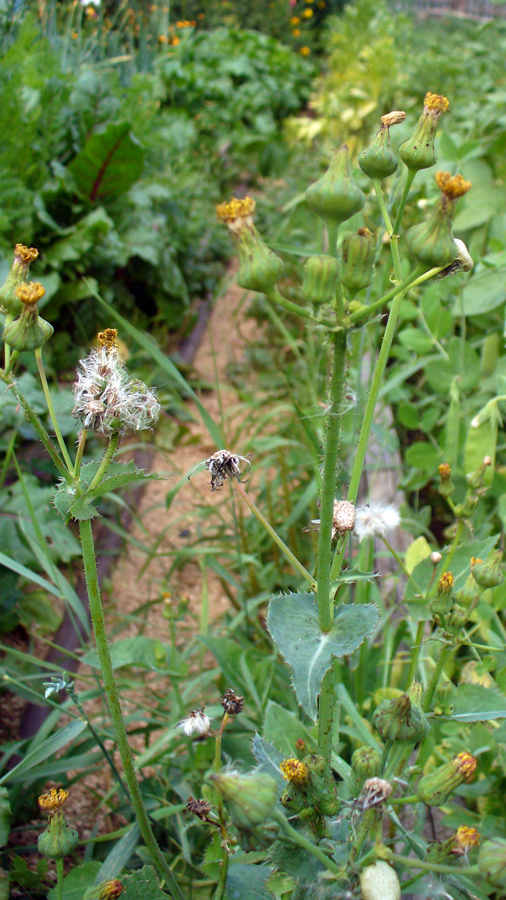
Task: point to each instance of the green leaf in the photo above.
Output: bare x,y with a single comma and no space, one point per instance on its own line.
77,881
5,816
283,728
119,855
109,164
463,361
481,442
292,621
485,291
149,653
50,746
269,759
476,703
423,456
247,882
416,553
142,885
353,576
118,476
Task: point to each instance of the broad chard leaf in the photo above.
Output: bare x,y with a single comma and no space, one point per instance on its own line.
293,624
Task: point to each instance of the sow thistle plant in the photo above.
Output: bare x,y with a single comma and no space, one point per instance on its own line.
318,822
342,831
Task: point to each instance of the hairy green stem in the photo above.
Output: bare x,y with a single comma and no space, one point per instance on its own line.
328,491
433,683
412,863
107,459
415,653
358,462
326,701
275,537
411,281
80,452
50,409
37,426
111,689
363,830
298,838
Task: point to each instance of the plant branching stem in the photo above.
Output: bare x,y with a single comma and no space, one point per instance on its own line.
37,426
433,683
275,537
412,863
111,689
297,838
415,653
50,409
107,458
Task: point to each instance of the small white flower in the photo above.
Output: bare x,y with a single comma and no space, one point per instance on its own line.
195,723
376,520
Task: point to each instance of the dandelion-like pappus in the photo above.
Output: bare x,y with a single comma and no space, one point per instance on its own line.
222,465
107,400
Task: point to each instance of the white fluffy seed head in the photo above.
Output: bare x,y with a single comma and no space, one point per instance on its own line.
380,882
376,520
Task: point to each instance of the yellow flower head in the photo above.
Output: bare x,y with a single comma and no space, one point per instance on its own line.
475,560
295,771
305,51
30,293
436,103
465,839
445,583
53,800
296,32
108,338
25,255
452,186
307,13
175,41
237,214
445,470
466,764
295,20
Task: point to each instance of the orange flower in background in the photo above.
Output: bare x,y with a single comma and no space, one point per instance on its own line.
296,32
175,41
304,51
295,20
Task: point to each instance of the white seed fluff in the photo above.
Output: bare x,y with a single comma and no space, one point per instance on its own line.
376,520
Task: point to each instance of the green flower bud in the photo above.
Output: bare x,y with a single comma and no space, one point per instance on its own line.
435,788
59,839
431,242
465,510
358,251
365,763
250,798
379,160
23,256
476,479
320,279
469,594
488,573
29,331
380,882
492,861
106,890
418,152
400,720
443,602
259,267
335,196
456,621
446,486
443,699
